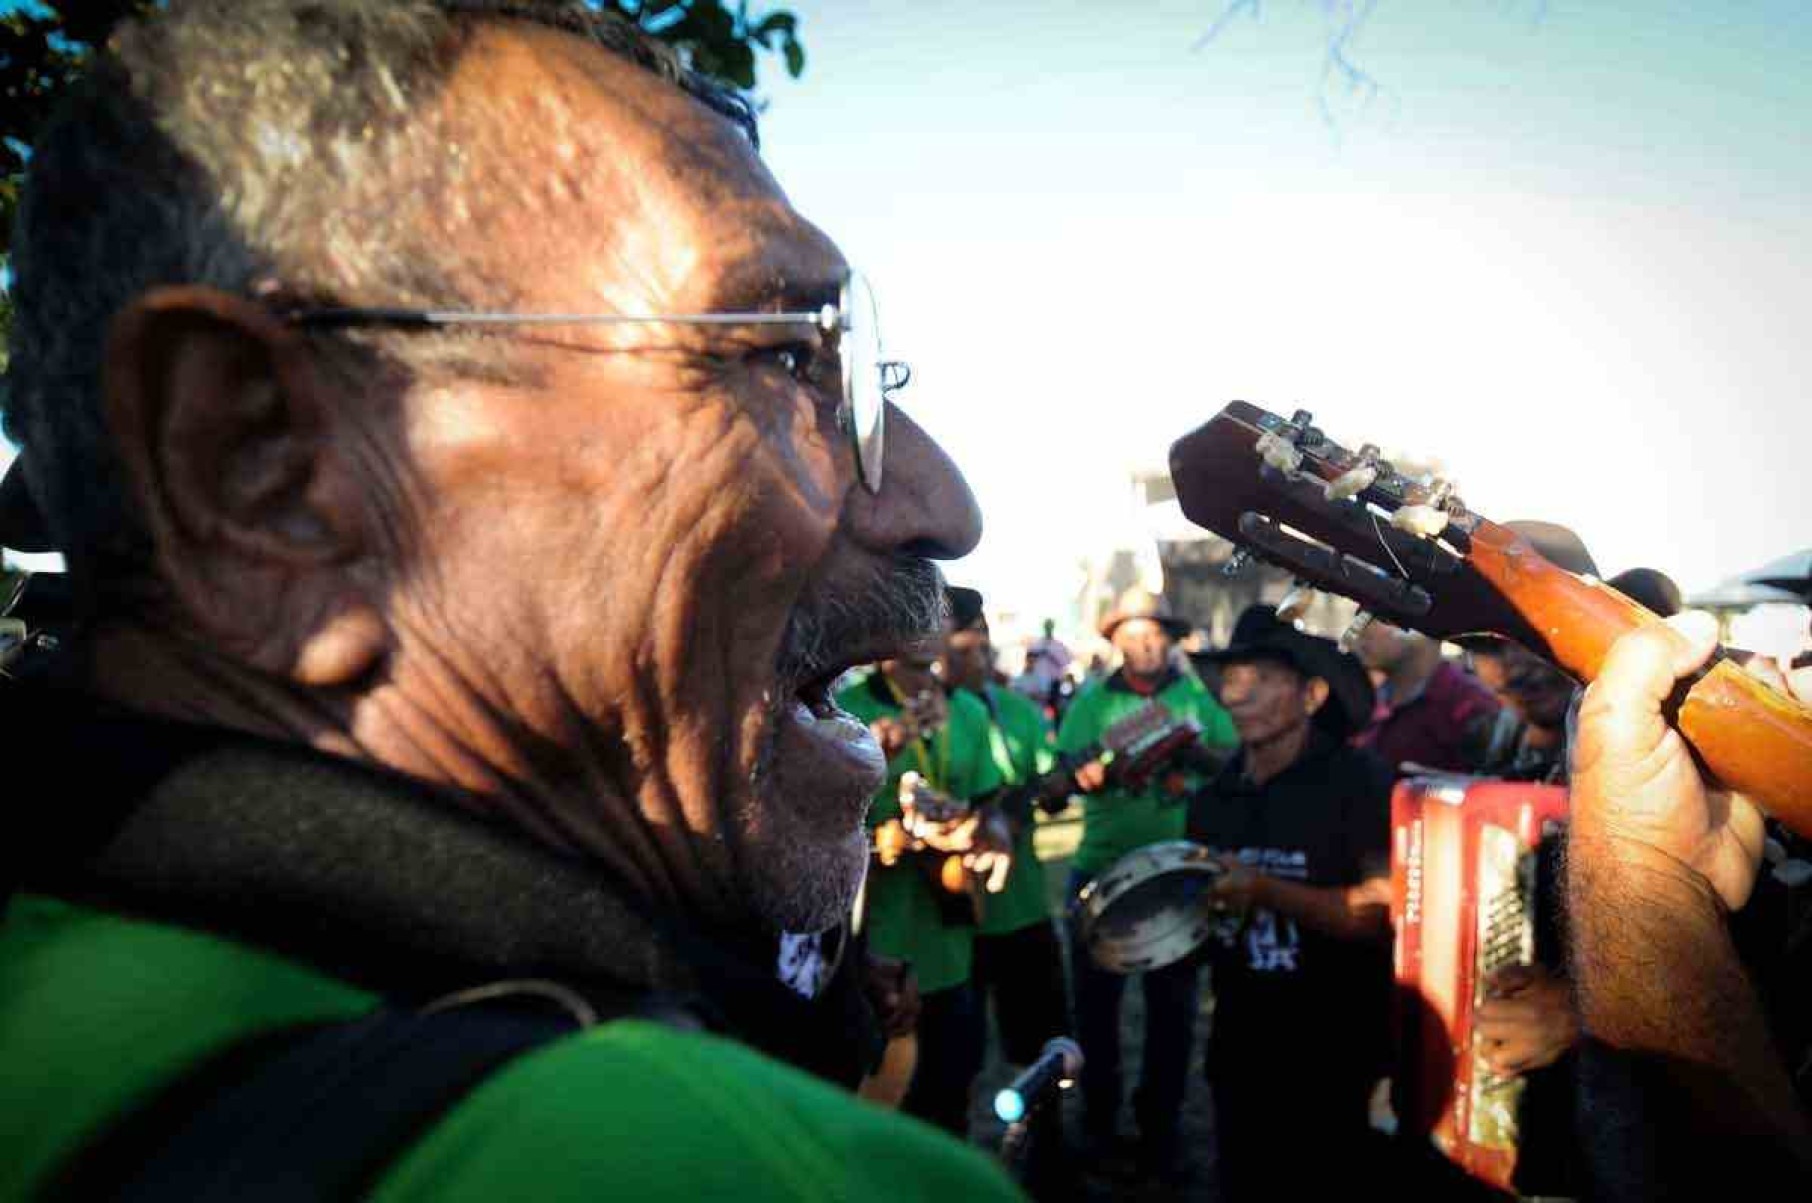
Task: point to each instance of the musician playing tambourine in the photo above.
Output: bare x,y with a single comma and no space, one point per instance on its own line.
1301,823
911,913
1118,816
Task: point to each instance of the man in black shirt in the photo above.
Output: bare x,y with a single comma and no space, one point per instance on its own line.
1302,822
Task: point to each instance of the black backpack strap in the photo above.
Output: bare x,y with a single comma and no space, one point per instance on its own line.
315,1113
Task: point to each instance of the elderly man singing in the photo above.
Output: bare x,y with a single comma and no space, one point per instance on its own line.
470,472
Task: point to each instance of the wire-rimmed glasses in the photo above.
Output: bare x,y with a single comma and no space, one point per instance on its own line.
850,329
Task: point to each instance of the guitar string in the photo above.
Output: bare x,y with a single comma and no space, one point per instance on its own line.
1385,544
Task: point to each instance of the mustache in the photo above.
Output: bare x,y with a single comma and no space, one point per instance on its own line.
901,602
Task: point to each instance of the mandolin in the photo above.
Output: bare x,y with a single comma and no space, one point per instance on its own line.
1409,551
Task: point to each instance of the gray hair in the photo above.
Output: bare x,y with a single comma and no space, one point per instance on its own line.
231,143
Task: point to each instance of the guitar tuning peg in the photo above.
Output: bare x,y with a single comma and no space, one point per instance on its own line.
1422,521
1295,603
1279,452
1350,637
1352,482
1237,562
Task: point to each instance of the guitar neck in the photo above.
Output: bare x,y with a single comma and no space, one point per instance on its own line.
1407,550
1750,737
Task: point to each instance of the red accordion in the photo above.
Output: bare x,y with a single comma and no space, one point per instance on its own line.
1463,853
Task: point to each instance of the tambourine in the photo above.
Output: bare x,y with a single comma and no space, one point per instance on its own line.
1153,907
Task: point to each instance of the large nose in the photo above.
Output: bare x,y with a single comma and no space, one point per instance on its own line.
924,507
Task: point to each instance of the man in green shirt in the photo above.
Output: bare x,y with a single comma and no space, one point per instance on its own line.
1017,961
469,492
909,913
1016,956
1115,821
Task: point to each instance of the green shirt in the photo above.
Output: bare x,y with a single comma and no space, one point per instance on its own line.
98,1011
1116,821
905,912
1019,740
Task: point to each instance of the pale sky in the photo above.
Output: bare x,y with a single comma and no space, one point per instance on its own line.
1565,248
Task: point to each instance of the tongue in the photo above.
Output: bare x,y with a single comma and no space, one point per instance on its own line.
839,742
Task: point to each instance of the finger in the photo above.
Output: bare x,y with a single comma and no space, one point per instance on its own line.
1767,670
1499,1021
1510,979
1620,719
1494,1007
1736,814
1642,666
1499,1060
1510,1065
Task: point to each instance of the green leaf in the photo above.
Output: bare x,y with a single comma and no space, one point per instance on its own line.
782,22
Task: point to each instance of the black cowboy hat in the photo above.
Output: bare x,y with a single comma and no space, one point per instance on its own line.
1651,588
1261,635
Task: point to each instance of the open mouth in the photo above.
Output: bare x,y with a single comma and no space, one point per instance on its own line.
829,756
819,677
815,694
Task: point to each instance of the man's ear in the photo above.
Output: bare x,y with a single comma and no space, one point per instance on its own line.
1314,695
227,434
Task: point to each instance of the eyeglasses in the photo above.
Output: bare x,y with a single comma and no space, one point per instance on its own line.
850,330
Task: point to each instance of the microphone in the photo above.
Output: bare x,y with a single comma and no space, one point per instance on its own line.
1056,1067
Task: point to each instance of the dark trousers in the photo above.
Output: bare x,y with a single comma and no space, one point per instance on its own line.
950,1036
1170,1009
1292,1132
1022,973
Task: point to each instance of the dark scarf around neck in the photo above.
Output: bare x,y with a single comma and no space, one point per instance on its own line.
373,878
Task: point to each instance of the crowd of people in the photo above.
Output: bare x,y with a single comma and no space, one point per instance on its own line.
441,773
1288,784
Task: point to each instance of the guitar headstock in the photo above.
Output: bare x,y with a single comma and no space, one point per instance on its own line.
1407,550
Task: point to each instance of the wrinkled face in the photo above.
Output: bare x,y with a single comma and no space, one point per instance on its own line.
1144,646
968,657
1266,699
648,556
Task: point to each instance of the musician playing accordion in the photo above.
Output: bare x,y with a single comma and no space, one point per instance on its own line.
1302,824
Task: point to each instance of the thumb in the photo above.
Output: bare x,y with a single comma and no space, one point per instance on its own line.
1622,708
1511,979
1645,663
